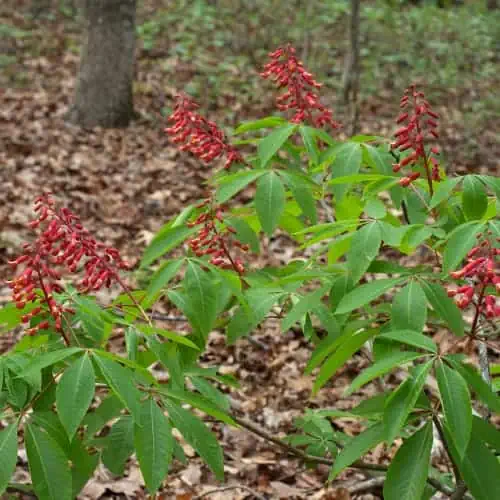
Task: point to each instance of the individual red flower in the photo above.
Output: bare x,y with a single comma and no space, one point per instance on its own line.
481,271
215,238
62,242
301,96
419,123
199,136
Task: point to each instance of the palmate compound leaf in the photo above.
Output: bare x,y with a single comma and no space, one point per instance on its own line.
154,444
409,469
74,393
48,464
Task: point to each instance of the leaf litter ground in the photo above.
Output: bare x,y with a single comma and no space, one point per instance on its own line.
126,184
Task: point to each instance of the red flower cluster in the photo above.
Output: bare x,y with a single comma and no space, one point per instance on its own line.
288,71
482,270
198,135
214,239
419,121
63,241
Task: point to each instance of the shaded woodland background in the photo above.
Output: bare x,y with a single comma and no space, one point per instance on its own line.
127,182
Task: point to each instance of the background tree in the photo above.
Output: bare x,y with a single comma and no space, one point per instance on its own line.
104,89
351,70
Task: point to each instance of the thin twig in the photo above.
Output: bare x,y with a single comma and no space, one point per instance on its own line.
364,486
358,464
459,492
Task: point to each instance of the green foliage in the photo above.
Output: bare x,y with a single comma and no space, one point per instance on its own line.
348,213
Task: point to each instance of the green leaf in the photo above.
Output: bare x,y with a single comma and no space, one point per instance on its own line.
199,437
120,381
356,448
167,239
402,401
245,233
409,308
119,445
381,368
229,185
48,359
479,468
304,305
375,209
8,455
364,248
410,337
340,356
202,298
477,383
408,472
107,410
309,137
456,403
444,307
268,122
272,143
161,277
443,191
154,444
364,294
211,393
83,465
303,194
347,161
378,158
260,301
357,178
460,241
200,402
173,336
486,432
269,201
474,198
49,466
74,394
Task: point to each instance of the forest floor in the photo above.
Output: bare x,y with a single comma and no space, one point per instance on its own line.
125,184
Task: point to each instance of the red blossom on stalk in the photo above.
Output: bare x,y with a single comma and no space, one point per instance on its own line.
287,71
199,136
419,123
481,271
62,242
215,238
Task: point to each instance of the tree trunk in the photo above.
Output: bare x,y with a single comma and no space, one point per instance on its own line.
352,68
104,88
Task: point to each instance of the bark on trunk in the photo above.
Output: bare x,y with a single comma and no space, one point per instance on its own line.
104,89
352,68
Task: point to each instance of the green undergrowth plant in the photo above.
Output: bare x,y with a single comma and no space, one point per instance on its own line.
353,207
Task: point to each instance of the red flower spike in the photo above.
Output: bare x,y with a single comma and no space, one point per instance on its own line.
301,96
417,126
482,269
65,242
199,136
215,238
